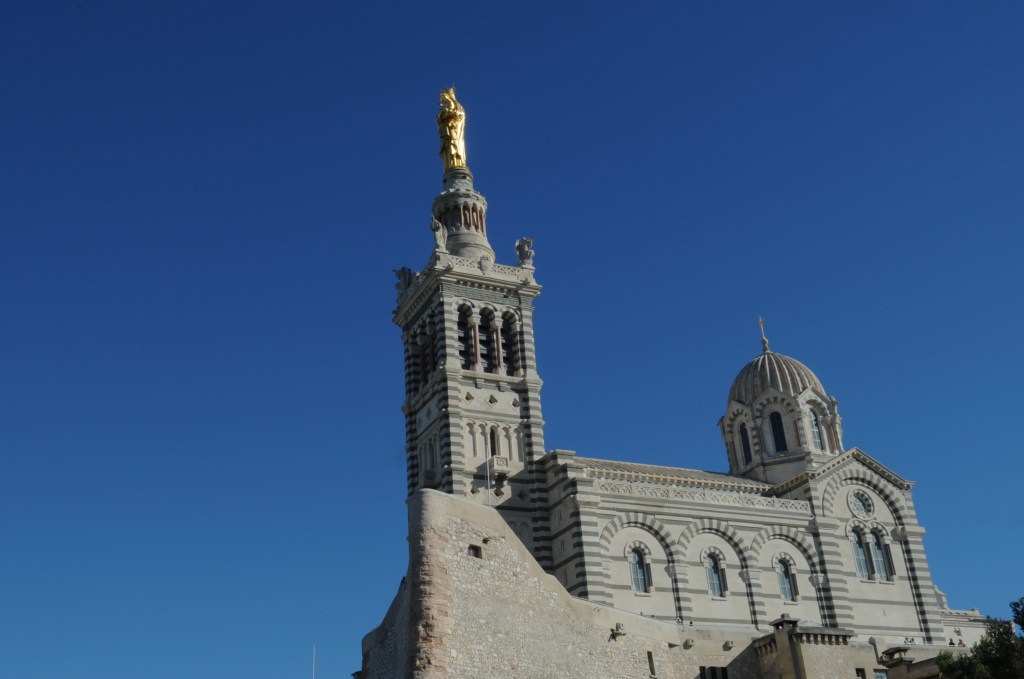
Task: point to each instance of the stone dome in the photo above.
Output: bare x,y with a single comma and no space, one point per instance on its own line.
775,371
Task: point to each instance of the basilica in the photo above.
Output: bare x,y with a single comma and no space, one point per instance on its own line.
803,560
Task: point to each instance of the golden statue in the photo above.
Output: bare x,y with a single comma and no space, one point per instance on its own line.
451,126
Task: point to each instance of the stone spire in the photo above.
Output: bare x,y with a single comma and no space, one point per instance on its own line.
459,209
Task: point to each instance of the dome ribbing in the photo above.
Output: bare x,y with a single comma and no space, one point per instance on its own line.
775,371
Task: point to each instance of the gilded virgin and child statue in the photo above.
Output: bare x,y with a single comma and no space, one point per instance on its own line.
451,127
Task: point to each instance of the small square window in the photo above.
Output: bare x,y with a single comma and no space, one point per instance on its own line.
475,551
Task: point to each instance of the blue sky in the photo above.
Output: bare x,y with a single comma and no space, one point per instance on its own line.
201,205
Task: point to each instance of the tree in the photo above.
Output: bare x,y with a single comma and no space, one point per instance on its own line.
998,655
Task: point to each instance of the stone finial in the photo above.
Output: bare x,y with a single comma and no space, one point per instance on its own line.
406,278
764,340
524,251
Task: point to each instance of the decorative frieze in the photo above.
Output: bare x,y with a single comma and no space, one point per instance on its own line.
485,265
704,496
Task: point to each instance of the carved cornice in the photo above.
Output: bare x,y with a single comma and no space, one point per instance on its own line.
973,615
481,274
485,292
413,297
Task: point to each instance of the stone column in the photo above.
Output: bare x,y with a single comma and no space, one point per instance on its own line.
496,329
475,328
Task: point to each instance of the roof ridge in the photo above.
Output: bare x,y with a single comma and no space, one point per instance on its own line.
659,466
602,466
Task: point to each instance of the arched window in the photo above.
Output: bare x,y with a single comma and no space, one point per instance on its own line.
467,350
640,571
815,430
860,555
429,462
412,360
509,345
493,440
488,351
716,578
787,583
880,557
427,358
778,433
430,455
745,442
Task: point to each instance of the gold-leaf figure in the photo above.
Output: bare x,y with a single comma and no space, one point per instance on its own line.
451,126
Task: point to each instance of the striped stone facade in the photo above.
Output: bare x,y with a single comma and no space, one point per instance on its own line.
680,515
474,426
804,559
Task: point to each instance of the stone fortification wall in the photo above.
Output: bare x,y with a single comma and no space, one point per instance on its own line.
475,603
386,649
829,661
480,606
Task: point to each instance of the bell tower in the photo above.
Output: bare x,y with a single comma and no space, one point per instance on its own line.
472,392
